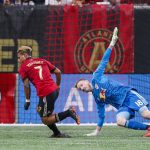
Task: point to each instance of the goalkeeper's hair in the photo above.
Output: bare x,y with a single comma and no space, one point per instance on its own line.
78,82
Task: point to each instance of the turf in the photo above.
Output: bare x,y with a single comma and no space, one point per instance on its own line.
37,138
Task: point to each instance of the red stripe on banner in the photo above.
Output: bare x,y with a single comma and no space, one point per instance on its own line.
71,35
7,98
99,16
126,34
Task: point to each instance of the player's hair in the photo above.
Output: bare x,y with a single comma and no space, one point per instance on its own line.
25,50
78,82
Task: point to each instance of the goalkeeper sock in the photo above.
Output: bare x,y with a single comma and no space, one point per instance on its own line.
62,115
136,125
54,128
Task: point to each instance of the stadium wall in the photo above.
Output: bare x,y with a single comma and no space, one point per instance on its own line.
68,36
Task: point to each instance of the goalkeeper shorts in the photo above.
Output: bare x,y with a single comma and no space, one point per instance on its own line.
133,102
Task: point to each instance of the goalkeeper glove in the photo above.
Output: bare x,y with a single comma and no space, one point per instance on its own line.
27,104
114,37
94,133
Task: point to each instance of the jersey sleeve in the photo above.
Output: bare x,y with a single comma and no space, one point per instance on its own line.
22,73
102,66
101,114
50,66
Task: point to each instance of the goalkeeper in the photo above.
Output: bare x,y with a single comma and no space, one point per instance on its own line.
126,99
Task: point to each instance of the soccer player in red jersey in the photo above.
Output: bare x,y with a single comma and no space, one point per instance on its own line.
38,72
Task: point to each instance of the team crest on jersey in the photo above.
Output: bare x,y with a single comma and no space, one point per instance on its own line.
96,86
102,94
90,48
39,109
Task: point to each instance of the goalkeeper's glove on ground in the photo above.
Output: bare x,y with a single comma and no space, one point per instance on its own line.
94,133
27,104
114,37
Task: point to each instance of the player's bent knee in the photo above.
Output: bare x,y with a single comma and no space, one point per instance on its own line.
45,120
49,120
121,121
146,114
122,117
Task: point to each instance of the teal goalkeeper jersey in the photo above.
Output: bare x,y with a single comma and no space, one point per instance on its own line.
107,91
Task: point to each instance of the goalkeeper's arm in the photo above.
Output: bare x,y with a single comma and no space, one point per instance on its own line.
98,127
101,117
114,38
96,132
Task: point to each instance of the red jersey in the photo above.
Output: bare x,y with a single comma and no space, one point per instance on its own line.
37,70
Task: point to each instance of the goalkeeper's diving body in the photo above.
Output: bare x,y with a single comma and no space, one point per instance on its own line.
125,99
38,72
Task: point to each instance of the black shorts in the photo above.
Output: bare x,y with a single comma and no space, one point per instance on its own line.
46,104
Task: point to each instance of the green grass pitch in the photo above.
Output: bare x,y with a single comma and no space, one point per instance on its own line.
37,138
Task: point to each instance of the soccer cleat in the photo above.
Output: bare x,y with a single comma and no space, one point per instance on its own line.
147,134
60,135
73,115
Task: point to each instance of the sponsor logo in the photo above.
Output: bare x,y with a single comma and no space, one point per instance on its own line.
102,94
90,48
39,109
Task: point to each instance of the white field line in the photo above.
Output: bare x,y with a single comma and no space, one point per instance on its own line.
86,124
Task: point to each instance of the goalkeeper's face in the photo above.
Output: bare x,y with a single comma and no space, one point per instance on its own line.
84,85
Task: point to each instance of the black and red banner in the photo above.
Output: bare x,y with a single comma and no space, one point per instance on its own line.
72,38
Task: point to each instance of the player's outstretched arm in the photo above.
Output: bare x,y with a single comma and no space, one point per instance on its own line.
27,92
104,61
114,38
58,76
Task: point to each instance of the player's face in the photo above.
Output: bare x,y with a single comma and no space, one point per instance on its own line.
21,58
84,85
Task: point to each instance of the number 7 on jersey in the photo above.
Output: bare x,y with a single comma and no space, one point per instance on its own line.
39,68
